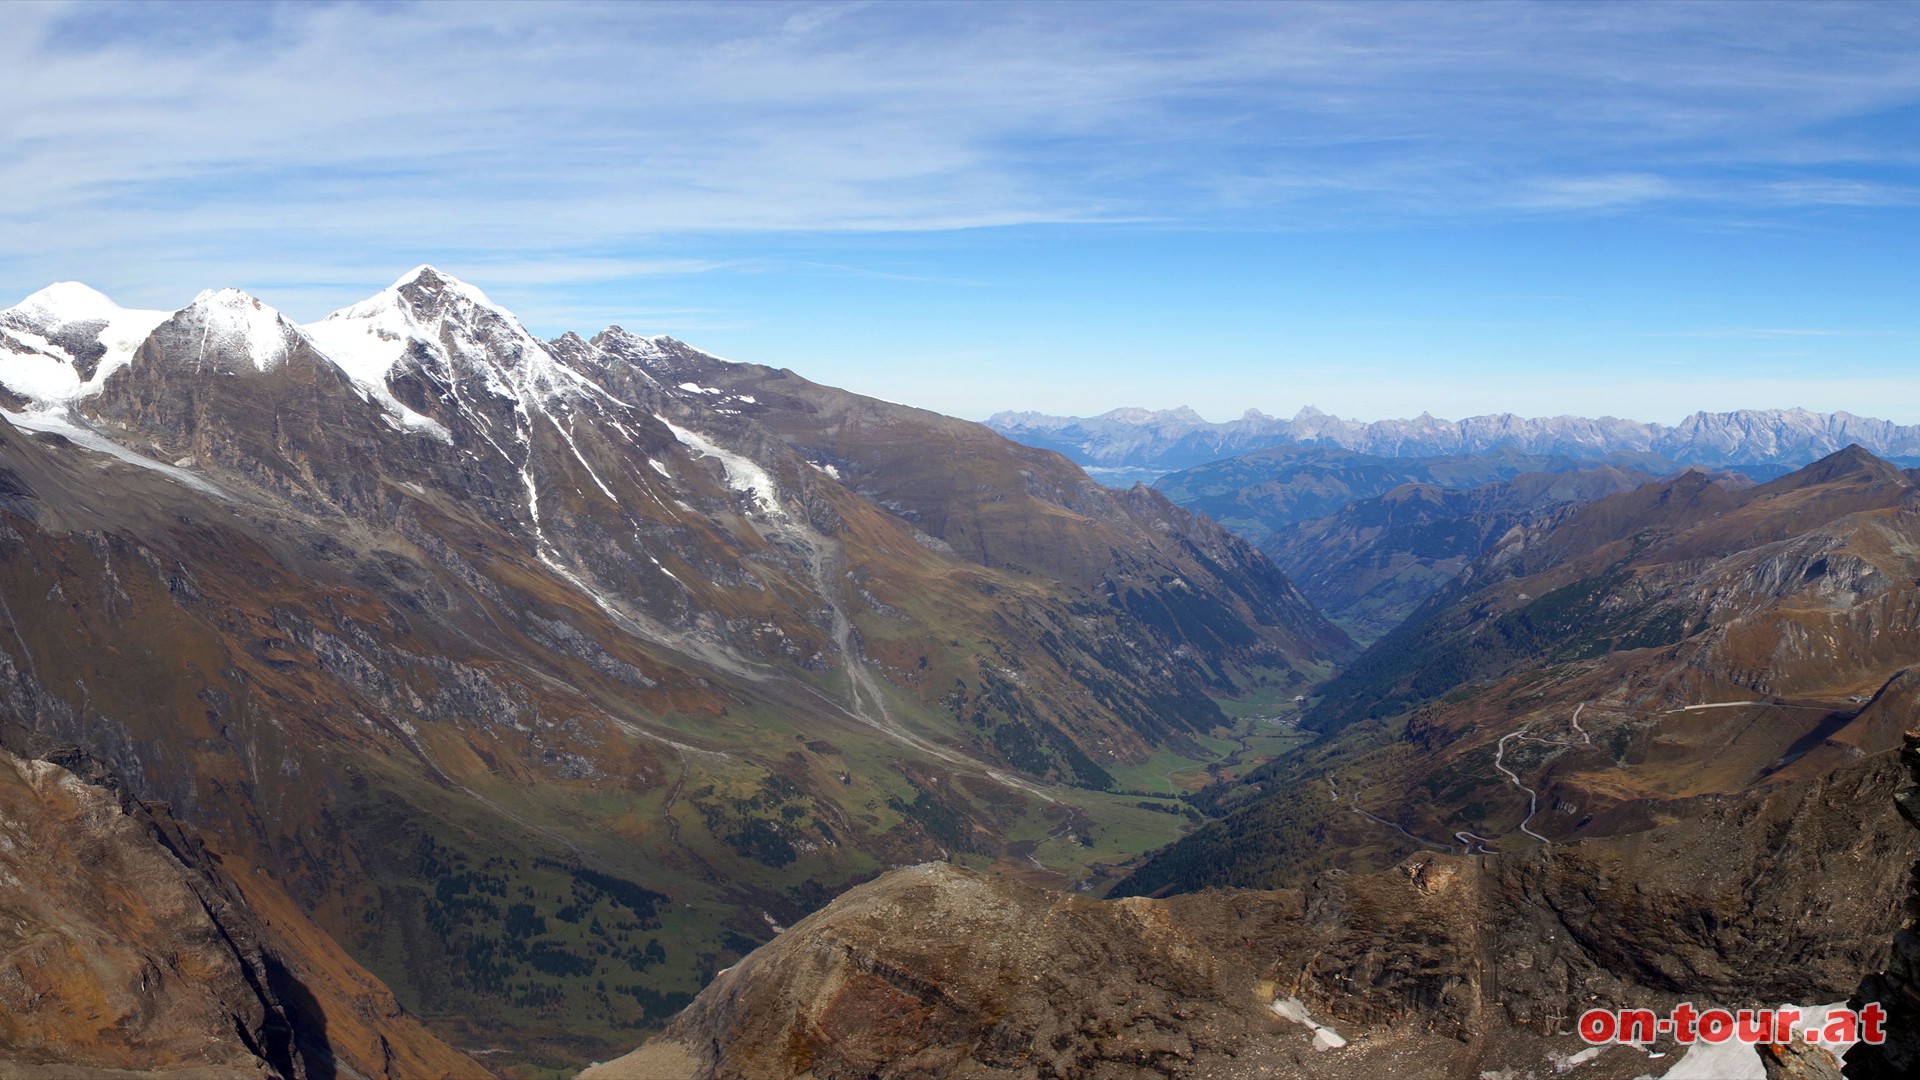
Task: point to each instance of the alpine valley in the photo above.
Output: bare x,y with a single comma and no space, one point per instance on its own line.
401,695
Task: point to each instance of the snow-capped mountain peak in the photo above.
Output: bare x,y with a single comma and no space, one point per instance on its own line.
60,344
431,279
234,324
66,302
432,327
450,332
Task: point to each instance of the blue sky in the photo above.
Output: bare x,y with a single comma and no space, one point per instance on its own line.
1377,209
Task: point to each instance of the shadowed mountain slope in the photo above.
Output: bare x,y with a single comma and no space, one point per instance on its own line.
1370,564
1266,496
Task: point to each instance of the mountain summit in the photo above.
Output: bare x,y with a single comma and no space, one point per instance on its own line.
61,343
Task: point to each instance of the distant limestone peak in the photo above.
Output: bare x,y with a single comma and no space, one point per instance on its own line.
1171,440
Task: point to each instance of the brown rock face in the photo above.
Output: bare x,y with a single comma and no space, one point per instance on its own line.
113,956
1798,1061
1897,988
933,970
126,947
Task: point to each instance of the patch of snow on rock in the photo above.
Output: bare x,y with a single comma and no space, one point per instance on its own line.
1730,1060
742,474
55,420
1324,1038
1567,1064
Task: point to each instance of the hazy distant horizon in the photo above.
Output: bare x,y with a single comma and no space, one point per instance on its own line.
1449,419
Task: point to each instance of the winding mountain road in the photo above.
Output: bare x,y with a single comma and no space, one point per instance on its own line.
1533,797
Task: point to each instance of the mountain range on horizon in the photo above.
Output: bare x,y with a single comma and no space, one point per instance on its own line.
1137,443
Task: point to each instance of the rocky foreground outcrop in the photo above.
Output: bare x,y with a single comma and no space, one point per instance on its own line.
1897,988
1445,966
127,950
937,971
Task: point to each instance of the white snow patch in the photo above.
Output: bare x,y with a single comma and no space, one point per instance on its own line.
742,474
44,373
56,421
1324,1038
748,398
659,468
367,349
1734,1060
828,469
696,388
664,570
1730,1060
1573,1061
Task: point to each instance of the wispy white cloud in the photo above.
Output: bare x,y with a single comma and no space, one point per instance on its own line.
1595,192
156,144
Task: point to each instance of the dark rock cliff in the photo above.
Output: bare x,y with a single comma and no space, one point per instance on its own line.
1897,988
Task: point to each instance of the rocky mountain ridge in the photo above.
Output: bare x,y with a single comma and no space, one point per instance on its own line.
1148,442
